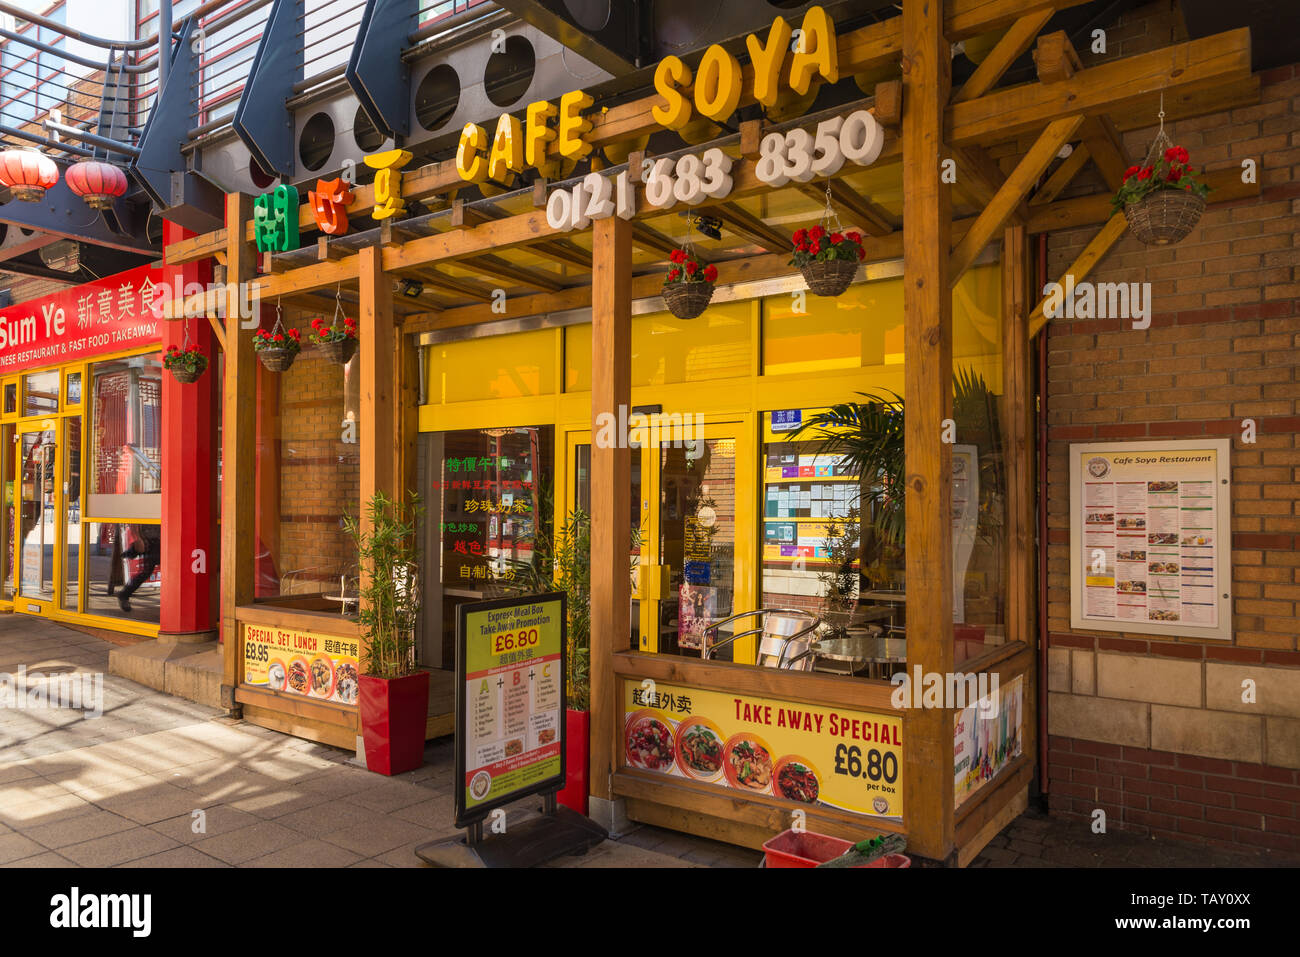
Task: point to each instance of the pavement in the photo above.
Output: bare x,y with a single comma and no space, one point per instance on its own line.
157,781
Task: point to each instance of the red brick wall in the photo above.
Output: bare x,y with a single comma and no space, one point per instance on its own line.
1179,796
1222,348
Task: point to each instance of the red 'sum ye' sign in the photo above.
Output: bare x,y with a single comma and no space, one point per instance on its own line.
329,204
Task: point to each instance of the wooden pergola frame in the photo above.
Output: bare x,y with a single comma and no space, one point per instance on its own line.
1087,108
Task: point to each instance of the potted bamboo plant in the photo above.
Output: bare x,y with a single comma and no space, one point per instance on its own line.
394,692
562,562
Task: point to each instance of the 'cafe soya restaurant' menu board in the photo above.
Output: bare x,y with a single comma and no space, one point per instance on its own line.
1150,537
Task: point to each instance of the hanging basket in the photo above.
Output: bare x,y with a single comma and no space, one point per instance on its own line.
340,350
187,376
1164,216
687,300
277,360
829,277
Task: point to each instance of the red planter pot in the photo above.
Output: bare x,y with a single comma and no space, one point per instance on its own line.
394,712
577,750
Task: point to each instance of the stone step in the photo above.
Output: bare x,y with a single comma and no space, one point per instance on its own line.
187,670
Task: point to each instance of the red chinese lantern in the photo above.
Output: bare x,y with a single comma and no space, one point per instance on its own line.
96,182
27,174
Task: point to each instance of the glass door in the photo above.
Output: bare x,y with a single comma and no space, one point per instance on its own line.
38,514
701,537
578,470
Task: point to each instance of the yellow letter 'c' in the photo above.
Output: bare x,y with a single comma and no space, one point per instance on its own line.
471,164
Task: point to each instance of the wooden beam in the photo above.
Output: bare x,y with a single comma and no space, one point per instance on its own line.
887,103
1225,186
1091,255
980,178
1017,424
378,346
646,238
996,214
1061,177
1106,147
1196,65
858,210
500,268
1018,38
460,287
1055,58
611,487
239,447
927,337
751,226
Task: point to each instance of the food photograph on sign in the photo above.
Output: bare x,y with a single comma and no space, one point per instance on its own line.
805,754
285,660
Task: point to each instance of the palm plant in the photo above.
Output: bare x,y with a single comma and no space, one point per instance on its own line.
868,437
389,591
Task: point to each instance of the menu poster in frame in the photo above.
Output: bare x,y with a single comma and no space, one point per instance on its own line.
1151,537
510,702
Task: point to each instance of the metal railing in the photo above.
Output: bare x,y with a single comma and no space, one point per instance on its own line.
72,93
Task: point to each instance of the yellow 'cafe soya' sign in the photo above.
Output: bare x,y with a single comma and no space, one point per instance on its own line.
716,95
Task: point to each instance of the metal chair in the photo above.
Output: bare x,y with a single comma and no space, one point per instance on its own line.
786,638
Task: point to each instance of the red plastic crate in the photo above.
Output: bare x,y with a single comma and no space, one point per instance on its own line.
803,849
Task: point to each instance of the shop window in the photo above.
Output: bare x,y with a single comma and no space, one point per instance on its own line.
11,398
863,328
73,388
491,502
496,367
834,528
308,478
41,393
667,350
122,577
125,476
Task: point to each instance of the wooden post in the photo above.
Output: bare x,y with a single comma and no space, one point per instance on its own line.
611,485
1017,436
378,349
239,446
1018,440
927,317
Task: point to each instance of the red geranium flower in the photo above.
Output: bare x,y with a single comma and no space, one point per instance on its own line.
710,273
674,273
817,232
691,267
800,235
837,238
1130,171
294,334
854,237
816,248
862,254
677,256
1144,172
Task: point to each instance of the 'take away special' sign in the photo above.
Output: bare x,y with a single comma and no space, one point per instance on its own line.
809,754
107,315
